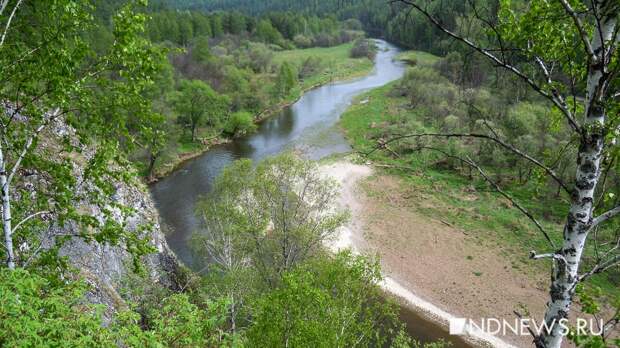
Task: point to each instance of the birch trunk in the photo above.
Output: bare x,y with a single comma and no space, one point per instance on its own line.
6,212
565,276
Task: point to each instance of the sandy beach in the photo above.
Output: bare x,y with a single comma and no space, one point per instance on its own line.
436,269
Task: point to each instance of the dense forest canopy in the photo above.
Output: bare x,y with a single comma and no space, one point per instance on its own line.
391,20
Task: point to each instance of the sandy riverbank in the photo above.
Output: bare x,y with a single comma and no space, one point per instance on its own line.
436,269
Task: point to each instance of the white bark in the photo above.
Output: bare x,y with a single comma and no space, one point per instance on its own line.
8,22
565,273
6,178
6,212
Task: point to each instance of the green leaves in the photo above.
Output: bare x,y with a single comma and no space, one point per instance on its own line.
198,104
54,75
554,40
327,302
33,313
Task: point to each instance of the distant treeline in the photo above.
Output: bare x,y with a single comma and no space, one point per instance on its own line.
286,29
378,17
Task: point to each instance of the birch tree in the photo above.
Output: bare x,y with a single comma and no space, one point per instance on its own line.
567,52
56,94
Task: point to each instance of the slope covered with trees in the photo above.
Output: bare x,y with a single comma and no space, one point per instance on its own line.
391,20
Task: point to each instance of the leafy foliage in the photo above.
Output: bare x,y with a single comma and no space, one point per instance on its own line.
326,303
198,104
36,313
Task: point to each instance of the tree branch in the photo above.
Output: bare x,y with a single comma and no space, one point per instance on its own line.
28,144
8,23
473,164
28,218
605,216
583,35
554,256
508,197
601,267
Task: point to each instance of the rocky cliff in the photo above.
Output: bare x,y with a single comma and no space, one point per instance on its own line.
107,267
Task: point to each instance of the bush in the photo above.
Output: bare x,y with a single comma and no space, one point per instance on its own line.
353,24
313,303
309,67
36,313
240,123
260,57
302,41
364,48
349,35
324,40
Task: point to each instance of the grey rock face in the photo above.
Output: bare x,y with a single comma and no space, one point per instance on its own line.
105,266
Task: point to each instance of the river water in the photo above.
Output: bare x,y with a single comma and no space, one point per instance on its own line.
309,125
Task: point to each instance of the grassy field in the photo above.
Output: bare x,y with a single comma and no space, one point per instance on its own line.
335,63
418,58
467,203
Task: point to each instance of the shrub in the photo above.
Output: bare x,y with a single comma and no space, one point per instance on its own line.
36,313
309,67
364,48
240,123
302,41
353,24
324,40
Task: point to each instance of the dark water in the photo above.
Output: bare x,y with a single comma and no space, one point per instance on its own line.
427,331
309,125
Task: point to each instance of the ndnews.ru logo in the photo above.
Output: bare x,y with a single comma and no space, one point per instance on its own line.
494,326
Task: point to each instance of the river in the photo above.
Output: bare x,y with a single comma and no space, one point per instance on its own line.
310,126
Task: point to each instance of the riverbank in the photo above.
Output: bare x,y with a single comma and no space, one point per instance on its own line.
433,268
338,67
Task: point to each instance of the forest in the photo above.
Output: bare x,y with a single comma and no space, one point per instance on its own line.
501,128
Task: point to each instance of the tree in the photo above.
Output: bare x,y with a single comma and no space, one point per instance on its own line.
52,77
531,45
186,30
364,48
328,302
285,197
198,104
152,136
202,26
235,23
217,28
285,81
262,242
200,50
267,33
240,123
